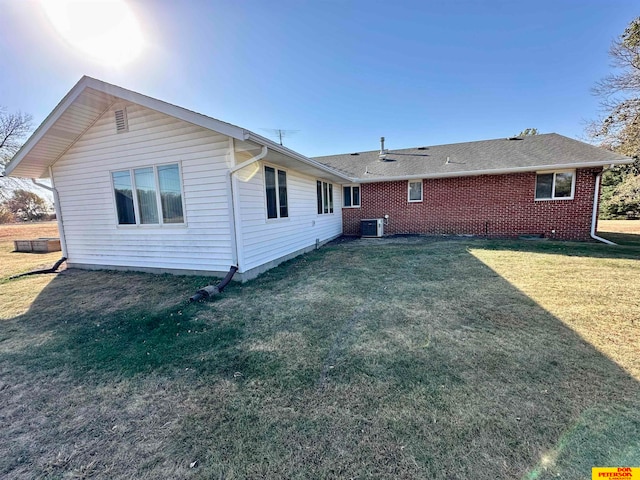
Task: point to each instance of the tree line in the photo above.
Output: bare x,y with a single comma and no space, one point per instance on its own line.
20,204
618,128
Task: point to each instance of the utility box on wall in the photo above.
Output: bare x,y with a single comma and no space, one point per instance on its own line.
373,227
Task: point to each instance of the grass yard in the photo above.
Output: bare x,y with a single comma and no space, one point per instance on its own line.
623,232
409,358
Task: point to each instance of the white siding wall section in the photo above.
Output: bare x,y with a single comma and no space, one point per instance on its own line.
265,240
83,179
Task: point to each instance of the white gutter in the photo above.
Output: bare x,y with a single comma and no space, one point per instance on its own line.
594,215
293,154
259,156
475,173
56,205
235,214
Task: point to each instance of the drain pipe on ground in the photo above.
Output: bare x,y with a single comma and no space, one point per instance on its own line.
594,215
212,290
53,269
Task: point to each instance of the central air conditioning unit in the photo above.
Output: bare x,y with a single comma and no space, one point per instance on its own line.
373,227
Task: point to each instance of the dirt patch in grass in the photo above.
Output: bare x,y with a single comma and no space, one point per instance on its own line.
622,232
619,226
16,297
27,231
403,359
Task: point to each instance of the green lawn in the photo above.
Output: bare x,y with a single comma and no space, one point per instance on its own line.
410,358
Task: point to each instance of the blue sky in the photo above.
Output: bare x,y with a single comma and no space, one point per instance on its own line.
342,73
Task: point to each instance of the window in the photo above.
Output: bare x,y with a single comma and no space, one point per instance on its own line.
276,191
555,185
157,199
324,193
415,191
351,195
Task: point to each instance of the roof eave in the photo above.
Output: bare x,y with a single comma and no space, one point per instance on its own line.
123,94
41,131
503,171
295,155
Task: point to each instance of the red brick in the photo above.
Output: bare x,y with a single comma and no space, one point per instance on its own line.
486,205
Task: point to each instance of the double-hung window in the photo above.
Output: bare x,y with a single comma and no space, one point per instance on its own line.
276,190
149,195
324,193
555,185
351,196
415,191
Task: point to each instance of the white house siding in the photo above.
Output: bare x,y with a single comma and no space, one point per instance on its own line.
269,240
83,179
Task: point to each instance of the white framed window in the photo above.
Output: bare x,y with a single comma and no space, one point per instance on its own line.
351,196
275,182
324,192
415,190
149,195
558,185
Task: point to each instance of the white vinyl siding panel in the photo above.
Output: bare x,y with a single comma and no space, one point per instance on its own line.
83,179
265,240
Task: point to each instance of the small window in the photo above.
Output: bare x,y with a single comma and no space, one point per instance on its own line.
351,196
276,191
170,193
157,199
324,192
415,191
124,198
146,193
555,186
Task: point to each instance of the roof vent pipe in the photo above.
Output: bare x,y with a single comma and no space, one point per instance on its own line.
383,153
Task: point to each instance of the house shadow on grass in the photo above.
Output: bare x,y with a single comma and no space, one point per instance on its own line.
397,360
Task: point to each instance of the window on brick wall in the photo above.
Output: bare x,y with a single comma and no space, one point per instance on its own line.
351,196
555,185
415,190
324,192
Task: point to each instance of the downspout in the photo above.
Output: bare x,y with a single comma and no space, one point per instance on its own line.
56,206
235,213
594,215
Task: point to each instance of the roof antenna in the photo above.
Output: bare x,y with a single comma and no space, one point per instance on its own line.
383,153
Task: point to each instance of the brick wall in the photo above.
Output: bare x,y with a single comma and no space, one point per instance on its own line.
487,205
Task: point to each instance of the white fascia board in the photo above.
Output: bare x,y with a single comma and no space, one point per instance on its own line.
127,95
295,155
502,171
167,108
41,131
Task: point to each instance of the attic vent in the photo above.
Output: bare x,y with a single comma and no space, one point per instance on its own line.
514,138
422,148
121,121
355,154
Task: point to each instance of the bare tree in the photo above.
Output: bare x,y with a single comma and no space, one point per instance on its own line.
619,127
14,129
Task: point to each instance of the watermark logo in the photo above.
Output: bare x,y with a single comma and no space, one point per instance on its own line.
621,473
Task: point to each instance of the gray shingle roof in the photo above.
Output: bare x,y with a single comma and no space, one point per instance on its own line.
529,153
